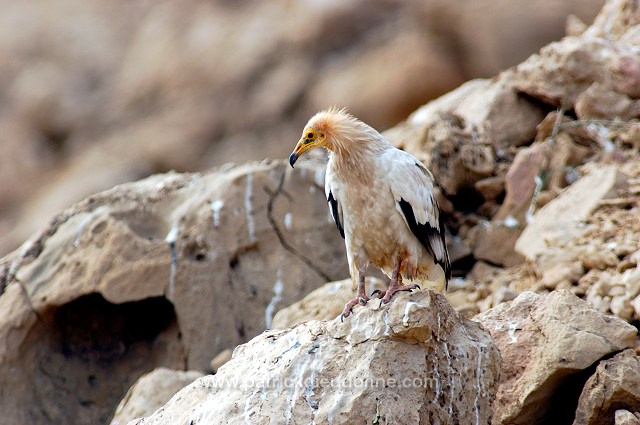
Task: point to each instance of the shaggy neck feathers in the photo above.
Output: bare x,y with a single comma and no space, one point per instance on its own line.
353,145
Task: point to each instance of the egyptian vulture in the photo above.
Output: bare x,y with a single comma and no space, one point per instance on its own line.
382,200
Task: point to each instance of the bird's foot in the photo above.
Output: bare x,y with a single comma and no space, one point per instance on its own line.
386,294
360,299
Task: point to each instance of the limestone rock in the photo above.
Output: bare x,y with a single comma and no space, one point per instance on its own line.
459,136
220,359
615,385
544,341
412,361
602,54
624,417
172,269
559,221
151,392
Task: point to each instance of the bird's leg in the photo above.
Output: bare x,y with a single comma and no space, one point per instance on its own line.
395,285
361,297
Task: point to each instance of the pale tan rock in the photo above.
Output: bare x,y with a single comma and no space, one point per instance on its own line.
559,221
172,269
151,392
603,53
615,384
599,259
413,361
544,340
497,239
624,417
621,307
602,102
571,272
220,359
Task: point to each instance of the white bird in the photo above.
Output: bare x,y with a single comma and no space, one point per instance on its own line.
382,200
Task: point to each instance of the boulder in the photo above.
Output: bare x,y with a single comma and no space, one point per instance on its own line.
151,392
545,341
624,417
413,361
523,189
462,135
559,221
565,71
614,385
168,271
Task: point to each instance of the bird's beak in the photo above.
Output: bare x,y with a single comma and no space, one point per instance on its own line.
300,150
292,159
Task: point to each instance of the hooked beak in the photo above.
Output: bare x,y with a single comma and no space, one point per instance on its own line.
292,159
302,147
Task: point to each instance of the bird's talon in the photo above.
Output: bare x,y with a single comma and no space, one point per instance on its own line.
418,287
380,305
377,291
342,317
362,300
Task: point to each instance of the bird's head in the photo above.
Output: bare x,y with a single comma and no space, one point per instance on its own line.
329,129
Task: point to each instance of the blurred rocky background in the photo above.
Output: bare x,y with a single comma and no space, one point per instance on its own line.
116,302
93,94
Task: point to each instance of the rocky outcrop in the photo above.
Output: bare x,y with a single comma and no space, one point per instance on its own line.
546,341
560,220
412,361
151,392
167,272
614,385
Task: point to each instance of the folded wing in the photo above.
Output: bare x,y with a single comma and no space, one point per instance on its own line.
412,186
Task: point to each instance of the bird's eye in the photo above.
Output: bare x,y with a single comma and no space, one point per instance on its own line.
309,135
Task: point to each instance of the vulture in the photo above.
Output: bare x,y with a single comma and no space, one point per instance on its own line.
382,200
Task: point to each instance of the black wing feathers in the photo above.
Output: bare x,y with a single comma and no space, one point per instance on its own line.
334,212
425,233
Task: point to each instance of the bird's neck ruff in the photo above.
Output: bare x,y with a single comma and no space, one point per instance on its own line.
352,144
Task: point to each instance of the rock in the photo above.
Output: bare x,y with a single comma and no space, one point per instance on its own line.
523,186
601,102
220,359
559,221
414,361
480,115
545,340
624,417
621,307
496,240
172,269
614,385
151,392
598,259
565,70
556,267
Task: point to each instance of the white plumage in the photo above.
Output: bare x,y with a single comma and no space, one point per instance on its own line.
382,200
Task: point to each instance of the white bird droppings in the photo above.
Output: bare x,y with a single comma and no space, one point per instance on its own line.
249,208
275,300
288,220
216,207
171,240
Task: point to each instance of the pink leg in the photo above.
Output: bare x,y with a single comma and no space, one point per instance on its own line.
395,285
361,297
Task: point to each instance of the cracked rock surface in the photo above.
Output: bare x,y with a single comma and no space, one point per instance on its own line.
168,271
413,361
547,341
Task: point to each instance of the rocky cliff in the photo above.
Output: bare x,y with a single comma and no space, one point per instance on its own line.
539,177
